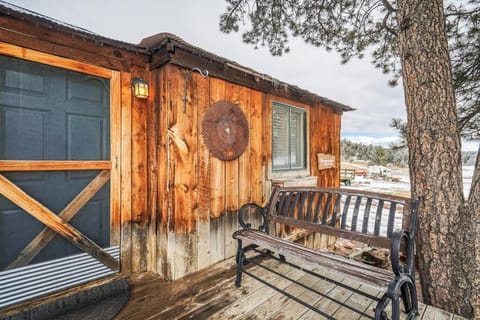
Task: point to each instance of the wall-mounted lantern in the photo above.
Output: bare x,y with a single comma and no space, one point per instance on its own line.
140,88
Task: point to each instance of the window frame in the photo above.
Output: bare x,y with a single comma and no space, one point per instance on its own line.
292,171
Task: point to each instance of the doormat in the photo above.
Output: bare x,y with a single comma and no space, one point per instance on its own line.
103,302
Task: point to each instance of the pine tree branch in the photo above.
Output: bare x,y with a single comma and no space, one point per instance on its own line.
388,6
385,26
239,2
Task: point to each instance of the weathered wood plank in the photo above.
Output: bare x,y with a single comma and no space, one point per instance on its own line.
47,234
217,69
53,60
183,133
186,297
57,165
257,156
217,187
200,101
257,159
432,313
126,174
421,310
324,260
245,177
369,239
183,137
217,166
51,220
360,303
145,300
276,302
267,101
162,221
294,310
211,294
369,305
235,94
66,44
253,297
140,218
115,155
217,239
325,138
327,305
153,137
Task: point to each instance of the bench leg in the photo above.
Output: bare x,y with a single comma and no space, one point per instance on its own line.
240,261
380,313
396,309
409,297
404,287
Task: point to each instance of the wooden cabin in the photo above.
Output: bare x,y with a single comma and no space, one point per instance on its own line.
93,175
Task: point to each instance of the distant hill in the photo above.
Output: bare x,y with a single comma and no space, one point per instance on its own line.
380,155
373,154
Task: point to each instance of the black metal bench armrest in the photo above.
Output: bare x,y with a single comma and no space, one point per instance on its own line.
246,225
396,246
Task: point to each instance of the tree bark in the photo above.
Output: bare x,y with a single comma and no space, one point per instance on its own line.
448,226
470,253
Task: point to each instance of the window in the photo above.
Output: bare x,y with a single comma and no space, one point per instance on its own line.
288,137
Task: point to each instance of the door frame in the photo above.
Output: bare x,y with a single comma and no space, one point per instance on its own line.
113,165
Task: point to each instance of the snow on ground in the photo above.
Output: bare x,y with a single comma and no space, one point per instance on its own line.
400,182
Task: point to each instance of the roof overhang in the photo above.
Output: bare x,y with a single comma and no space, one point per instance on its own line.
165,48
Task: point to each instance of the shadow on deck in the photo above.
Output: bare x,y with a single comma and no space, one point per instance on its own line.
211,294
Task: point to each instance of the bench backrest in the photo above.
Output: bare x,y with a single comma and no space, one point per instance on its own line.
352,214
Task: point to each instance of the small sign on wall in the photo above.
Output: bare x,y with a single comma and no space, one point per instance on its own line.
325,161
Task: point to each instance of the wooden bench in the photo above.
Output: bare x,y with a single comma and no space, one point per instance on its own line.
377,220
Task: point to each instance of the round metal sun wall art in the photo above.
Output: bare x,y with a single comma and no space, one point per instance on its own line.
225,130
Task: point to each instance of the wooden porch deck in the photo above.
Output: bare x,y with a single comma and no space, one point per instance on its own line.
211,294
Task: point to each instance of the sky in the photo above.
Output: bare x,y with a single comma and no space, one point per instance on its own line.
357,83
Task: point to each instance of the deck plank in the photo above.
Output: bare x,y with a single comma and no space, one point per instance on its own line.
268,308
293,310
251,300
432,313
223,294
329,306
211,294
359,302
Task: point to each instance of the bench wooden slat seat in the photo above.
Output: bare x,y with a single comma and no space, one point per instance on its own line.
321,259
374,219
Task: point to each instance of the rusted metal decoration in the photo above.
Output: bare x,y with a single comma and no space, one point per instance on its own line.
225,130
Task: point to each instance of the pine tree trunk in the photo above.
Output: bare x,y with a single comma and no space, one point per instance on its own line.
447,228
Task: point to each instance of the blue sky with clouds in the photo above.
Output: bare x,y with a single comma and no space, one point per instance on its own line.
357,83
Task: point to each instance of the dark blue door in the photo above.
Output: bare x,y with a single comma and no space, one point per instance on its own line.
48,113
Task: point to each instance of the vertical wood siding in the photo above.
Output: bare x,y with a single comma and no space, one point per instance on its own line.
199,194
325,138
178,203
